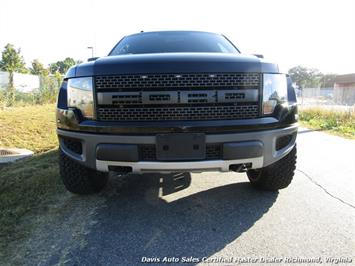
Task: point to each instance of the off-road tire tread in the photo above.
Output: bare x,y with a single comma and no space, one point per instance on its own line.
277,175
79,179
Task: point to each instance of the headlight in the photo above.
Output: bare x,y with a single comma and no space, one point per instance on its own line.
274,91
80,95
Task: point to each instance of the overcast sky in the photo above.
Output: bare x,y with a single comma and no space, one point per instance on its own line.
319,34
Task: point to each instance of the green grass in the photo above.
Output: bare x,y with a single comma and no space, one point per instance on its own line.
28,185
25,187
341,123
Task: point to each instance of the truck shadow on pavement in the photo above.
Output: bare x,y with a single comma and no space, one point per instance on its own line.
137,224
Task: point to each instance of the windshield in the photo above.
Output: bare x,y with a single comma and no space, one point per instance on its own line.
173,42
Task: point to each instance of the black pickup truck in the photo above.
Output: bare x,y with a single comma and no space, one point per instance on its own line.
176,101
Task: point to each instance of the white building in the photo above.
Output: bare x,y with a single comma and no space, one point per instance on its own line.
22,82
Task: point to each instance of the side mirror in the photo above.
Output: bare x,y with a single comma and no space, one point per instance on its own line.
92,59
258,55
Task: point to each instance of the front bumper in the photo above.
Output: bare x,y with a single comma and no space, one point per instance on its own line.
256,149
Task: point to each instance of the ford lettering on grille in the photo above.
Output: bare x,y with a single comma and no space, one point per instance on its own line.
178,97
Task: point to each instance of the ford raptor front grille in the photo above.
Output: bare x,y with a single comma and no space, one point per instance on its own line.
169,97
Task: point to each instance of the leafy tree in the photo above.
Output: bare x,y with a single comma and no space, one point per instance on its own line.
62,66
38,68
306,77
53,67
12,61
48,89
328,80
59,78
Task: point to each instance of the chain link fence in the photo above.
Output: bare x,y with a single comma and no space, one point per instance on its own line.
29,89
337,98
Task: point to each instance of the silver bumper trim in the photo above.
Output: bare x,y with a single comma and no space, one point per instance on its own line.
267,137
168,167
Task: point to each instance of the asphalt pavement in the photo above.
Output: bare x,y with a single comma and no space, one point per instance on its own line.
215,218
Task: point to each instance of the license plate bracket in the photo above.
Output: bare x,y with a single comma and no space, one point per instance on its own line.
181,146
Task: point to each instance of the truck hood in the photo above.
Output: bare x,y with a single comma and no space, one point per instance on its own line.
173,63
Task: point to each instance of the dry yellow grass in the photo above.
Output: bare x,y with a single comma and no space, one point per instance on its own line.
30,127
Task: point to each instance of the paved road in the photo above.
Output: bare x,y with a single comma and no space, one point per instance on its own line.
210,215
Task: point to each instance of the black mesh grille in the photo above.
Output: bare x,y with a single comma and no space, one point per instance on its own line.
73,145
178,80
179,113
214,151
283,141
148,152
216,97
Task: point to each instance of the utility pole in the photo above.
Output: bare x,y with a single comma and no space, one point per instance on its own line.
92,50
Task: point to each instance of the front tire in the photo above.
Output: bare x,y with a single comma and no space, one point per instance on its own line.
79,179
275,176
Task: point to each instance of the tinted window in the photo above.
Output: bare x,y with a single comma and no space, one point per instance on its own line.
173,42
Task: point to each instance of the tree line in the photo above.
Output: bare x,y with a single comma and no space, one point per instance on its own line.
50,77
13,62
311,77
